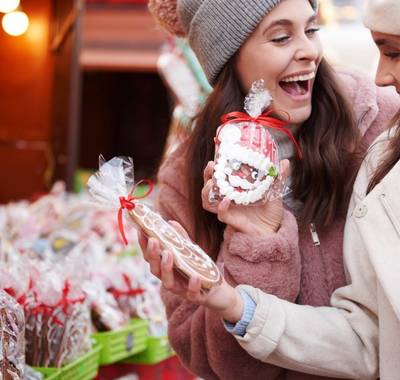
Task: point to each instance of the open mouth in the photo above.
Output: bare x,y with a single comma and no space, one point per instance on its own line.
297,85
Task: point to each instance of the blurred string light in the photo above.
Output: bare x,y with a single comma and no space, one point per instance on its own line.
7,6
14,22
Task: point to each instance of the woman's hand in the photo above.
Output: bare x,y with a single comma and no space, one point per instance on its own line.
223,299
254,220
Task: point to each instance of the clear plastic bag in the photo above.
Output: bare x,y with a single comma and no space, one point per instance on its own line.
113,186
58,323
12,343
246,155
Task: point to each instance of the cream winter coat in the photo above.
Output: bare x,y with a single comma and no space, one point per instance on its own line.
359,337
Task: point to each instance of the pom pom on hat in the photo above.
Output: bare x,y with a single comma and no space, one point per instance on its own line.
382,16
165,13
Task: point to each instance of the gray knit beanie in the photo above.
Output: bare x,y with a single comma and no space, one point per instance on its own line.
216,29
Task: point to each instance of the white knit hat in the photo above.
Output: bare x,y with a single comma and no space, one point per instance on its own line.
382,16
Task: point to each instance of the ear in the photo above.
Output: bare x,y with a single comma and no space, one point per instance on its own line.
164,11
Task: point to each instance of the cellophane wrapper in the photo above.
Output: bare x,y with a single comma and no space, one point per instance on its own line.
246,156
31,374
12,342
115,179
57,316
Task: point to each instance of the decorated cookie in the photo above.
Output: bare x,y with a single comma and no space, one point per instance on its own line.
189,258
246,162
113,186
246,158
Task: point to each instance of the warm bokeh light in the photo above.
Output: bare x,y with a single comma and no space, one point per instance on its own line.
7,6
15,23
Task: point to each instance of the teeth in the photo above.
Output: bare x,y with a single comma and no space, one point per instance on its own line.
299,78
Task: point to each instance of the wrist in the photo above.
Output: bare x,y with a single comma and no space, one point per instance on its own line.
261,229
234,312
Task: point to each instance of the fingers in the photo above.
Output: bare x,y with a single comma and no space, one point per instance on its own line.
284,169
208,171
223,210
280,181
167,272
152,255
207,203
191,289
178,228
193,292
143,240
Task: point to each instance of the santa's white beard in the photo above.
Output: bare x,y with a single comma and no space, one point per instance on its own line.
234,187
236,181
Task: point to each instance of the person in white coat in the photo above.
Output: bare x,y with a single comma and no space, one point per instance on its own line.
359,337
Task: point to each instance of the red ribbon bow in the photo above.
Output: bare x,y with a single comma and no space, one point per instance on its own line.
22,298
64,302
263,119
128,203
131,292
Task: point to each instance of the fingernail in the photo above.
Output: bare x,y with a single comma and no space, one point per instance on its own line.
164,257
150,244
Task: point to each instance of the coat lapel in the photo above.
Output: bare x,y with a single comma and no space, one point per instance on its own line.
380,233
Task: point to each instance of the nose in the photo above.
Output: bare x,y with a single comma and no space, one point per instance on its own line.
308,49
384,76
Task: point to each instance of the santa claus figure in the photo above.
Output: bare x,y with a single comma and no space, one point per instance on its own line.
246,162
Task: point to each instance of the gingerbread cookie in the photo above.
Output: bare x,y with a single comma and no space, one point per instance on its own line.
113,185
189,258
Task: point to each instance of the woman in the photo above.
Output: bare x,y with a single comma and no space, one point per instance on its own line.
360,338
269,247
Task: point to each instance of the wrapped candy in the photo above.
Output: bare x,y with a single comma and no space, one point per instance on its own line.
113,186
57,319
246,154
12,343
105,312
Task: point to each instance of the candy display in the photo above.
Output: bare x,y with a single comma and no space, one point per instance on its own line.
112,186
64,266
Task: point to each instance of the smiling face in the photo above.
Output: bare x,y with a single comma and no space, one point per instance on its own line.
388,72
285,51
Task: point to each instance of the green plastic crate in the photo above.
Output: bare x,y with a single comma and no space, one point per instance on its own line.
84,368
120,344
158,349
49,373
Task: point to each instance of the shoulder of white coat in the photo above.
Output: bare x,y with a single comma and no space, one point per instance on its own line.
371,162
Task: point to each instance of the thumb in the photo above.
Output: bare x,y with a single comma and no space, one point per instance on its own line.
284,166
279,183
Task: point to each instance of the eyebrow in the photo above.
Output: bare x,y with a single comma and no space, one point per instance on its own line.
381,42
285,22
384,41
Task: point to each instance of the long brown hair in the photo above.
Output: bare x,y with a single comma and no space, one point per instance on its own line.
391,156
322,180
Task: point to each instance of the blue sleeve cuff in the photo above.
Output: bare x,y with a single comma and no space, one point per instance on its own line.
249,308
